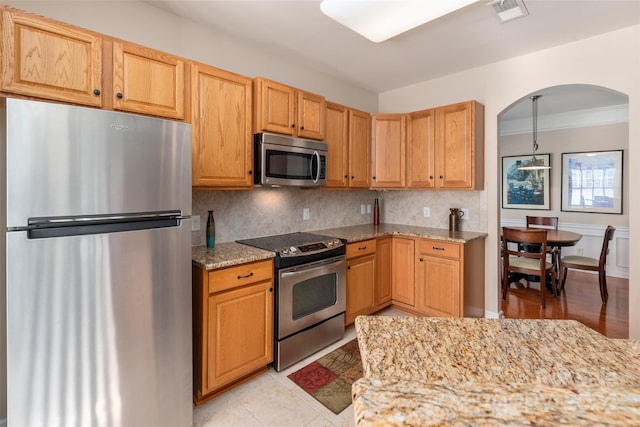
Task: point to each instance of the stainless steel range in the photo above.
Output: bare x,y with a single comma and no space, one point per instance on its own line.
310,297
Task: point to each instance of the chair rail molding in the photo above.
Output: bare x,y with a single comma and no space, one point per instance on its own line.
591,244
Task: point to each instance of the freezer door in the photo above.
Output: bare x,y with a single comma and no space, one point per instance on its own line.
99,329
67,160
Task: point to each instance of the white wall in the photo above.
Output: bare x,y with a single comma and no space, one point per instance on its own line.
611,60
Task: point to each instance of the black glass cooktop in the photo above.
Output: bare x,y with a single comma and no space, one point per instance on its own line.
281,241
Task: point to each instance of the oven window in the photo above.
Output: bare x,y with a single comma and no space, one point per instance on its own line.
314,294
283,164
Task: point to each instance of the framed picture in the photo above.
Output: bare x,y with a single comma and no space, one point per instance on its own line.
592,182
525,189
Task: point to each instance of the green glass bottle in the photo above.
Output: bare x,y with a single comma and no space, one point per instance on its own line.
211,231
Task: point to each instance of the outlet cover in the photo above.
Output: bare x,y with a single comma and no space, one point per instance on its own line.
195,223
368,209
305,214
363,209
426,212
466,213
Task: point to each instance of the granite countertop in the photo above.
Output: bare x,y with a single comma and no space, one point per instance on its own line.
226,255
231,253
511,372
357,233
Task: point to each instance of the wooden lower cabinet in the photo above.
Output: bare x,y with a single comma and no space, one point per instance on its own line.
382,290
233,326
402,271
449,278
361,271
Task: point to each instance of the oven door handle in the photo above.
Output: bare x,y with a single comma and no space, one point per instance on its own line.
292,271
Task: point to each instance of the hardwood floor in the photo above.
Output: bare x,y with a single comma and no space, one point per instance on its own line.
580,301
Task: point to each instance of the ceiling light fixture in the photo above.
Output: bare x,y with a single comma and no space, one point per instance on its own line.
534,164
379,20
508,10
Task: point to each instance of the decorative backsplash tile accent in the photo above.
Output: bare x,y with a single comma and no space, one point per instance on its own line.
268,211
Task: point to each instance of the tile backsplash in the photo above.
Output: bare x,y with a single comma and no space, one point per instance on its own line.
268,211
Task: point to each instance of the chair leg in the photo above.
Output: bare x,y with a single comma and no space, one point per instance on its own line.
505,283
602,279
564,279
543,290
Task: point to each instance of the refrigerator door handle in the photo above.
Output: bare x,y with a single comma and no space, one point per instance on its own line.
51,227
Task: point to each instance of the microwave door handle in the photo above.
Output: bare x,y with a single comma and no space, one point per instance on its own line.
316,177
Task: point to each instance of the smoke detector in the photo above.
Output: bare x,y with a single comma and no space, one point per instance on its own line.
508,10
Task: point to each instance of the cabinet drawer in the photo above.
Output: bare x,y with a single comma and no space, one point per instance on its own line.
357,249
232,277
439,248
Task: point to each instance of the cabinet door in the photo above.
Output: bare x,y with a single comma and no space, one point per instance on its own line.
360,286
383,272
438,286
310,115
222,135
359,149
388,142
240,333
148,81
275,107
455,146
402,270
420,149
48,60
337,139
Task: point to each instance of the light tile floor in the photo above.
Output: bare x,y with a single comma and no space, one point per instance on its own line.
273,400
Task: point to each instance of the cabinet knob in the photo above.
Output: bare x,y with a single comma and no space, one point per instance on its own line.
352,177
270,289
441,177
96,91
349,268
421,259
293,125
301,127
119,95
250,172
430,176
346,176
374,177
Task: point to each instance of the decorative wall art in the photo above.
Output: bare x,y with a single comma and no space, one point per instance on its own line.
592,182
525,189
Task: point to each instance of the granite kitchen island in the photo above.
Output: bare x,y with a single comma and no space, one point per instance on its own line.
444,371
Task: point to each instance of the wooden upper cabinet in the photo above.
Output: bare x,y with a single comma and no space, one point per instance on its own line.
460,146
148,81
388,142
275,107
311,113
46,59
420,149
337,139
283,109
221,108
359,149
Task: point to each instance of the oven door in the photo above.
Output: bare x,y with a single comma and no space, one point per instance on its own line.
288,165
310,293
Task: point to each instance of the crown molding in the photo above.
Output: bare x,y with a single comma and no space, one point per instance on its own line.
568,120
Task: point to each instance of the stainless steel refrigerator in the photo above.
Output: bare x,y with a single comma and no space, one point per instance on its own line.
96,277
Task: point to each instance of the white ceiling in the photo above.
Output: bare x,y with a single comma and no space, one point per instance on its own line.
465,39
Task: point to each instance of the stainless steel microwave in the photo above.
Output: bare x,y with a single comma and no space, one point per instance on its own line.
282,160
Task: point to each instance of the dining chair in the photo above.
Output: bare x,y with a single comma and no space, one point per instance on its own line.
515,259
578,262
550,222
